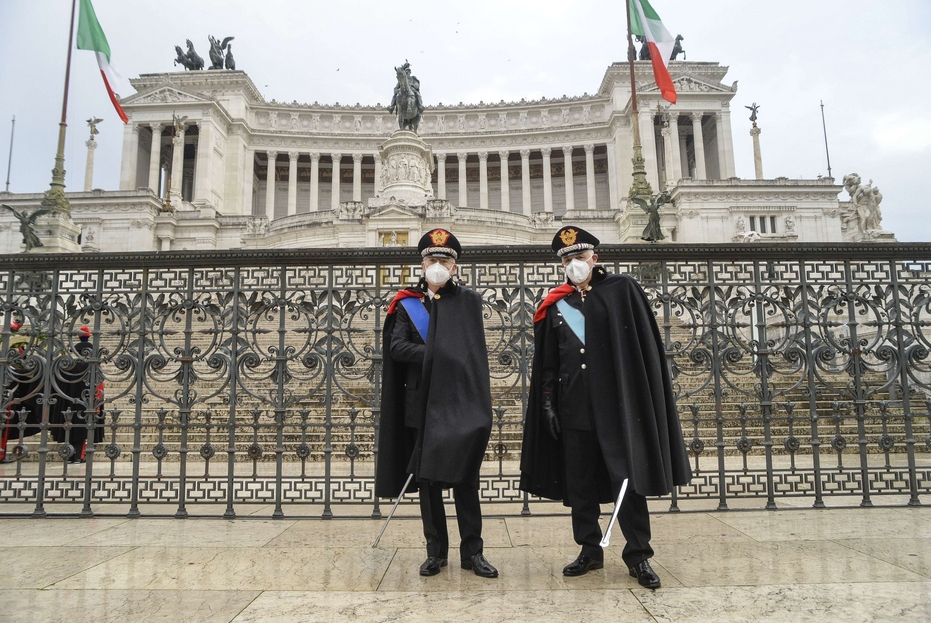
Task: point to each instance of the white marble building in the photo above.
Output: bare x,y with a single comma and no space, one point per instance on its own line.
501,173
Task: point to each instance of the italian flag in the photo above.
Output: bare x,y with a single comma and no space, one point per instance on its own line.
91,37
646,23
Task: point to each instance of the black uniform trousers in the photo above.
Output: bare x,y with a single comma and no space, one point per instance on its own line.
583,455
468,514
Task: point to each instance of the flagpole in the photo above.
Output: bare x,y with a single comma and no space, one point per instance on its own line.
9,160
825,128
640,186
55,197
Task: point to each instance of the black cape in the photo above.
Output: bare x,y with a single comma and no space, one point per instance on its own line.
74,387
634,407
455,410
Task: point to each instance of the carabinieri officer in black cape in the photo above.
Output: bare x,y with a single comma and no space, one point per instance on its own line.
436,403
601,407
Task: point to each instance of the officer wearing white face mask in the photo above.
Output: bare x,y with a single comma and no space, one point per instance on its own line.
601,407
436,403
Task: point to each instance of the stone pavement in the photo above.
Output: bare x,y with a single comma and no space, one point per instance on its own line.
852,564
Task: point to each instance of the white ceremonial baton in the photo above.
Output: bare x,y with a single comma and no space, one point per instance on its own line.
395,507
606,539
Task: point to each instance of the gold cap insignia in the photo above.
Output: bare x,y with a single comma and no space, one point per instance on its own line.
439,237
568,237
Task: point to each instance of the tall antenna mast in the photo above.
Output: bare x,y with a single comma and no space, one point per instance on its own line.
9,159
828,153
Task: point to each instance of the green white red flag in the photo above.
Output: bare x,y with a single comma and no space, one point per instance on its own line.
645,23
91,37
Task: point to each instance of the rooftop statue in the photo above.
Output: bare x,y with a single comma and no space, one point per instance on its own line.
644,49
406,99
216,51
753,108
27,226
92,123
677,49
230,63
865,200
190,60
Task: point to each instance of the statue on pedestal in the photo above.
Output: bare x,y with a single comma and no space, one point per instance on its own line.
865,200
753,108
677,49
92,123
216,51
27,226
652,232
406,99
189,60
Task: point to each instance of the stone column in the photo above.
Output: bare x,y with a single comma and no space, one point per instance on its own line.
130,157
463,184
89,167
719,139
441,176
357,177
378,186
314,181
728,144
248,179
155,160
667,153
505,183
698,139
270,182
177,163
757,156
590,175
570,183
648,143
483,179
526,208
547,180
334,199
202,181
292,182
674,167
684,157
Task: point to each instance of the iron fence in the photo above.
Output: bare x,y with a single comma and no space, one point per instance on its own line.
235,378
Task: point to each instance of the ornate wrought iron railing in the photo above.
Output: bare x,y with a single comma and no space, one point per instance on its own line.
243,378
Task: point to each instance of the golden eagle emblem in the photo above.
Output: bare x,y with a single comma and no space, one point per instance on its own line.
568,237
439,237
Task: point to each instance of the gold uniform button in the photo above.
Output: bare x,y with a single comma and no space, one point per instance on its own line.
583,366
436,296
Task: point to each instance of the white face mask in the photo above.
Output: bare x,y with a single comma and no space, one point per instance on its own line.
436,274
577,271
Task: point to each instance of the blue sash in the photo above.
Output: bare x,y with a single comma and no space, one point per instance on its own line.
574,318
418,315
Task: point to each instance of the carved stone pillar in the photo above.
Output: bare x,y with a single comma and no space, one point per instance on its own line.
547,180
441,176
155,159
526,206
463,184
378,186
483,179
89,166
719,139
590,175
648,142
728,144
674,168
270,182
334,198
177,163
357,177
292,182
757,156
668,175
130,158
248,181
203,184
684,157
314,181
570,183
505,183
698,139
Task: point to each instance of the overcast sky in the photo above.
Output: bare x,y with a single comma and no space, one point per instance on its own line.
867,60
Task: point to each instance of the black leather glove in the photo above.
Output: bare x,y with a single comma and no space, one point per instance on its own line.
552,419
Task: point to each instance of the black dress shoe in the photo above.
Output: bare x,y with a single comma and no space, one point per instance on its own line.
432,565
582,565
645,574
480,566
